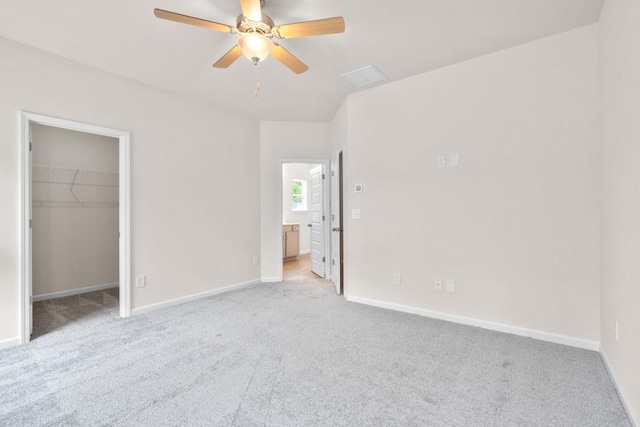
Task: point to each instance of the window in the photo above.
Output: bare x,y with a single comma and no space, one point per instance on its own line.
299,195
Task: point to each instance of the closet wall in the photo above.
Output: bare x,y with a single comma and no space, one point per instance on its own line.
75,210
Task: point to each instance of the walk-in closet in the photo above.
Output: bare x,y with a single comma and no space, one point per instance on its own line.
75,228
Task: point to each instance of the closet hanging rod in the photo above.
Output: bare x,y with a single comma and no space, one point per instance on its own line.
74,184
44,167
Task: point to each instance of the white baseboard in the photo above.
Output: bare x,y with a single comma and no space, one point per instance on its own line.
615,383
193,297
500,327
11,342
75,291
271,280
305,252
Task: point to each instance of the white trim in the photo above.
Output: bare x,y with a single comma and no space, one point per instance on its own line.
305,252
193,297
500,327
124,222
607,365
26,120
271,280
76,291
25,241
11,342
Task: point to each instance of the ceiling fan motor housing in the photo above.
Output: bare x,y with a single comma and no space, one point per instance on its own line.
263,27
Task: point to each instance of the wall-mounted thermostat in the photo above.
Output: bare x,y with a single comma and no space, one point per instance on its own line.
359,188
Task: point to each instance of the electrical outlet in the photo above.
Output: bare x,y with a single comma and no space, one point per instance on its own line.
437,283
256,261
397,279
617,330
450,285
141,281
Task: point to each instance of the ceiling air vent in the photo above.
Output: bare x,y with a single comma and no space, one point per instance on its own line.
364,76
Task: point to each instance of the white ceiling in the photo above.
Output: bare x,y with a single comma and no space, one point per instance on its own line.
401,37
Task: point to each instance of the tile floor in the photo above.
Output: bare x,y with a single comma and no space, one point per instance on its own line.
298,268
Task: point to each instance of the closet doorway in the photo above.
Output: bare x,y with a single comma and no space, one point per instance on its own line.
75,239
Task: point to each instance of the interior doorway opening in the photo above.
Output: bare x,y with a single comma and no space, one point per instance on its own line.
74,227
304,207
76,201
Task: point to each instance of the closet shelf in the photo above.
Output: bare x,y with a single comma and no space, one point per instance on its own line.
59,185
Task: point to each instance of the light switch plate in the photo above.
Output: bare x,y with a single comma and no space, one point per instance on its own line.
450,285
141,281
454,160
441,161
437,283
355,213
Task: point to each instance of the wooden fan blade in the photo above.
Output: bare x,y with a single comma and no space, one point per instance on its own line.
184,19
289,61
251,10
229,57
309,28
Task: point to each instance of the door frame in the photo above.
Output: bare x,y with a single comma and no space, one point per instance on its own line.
326,166
338,157
124,221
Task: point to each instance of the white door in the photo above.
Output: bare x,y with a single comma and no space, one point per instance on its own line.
317,221
336,231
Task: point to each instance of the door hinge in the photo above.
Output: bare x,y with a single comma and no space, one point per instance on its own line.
323,259
30,146
322,176
333,262
323,217
31,299
30,221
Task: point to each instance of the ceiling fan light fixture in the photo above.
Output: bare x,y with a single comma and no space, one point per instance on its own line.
256,32
255,46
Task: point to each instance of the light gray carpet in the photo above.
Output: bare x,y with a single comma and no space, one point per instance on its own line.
294,353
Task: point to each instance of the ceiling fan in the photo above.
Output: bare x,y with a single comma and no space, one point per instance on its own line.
256,33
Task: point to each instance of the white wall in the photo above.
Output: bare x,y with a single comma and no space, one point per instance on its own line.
184,236
340,128
291,171
620,133
517,224
282,141
75,245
